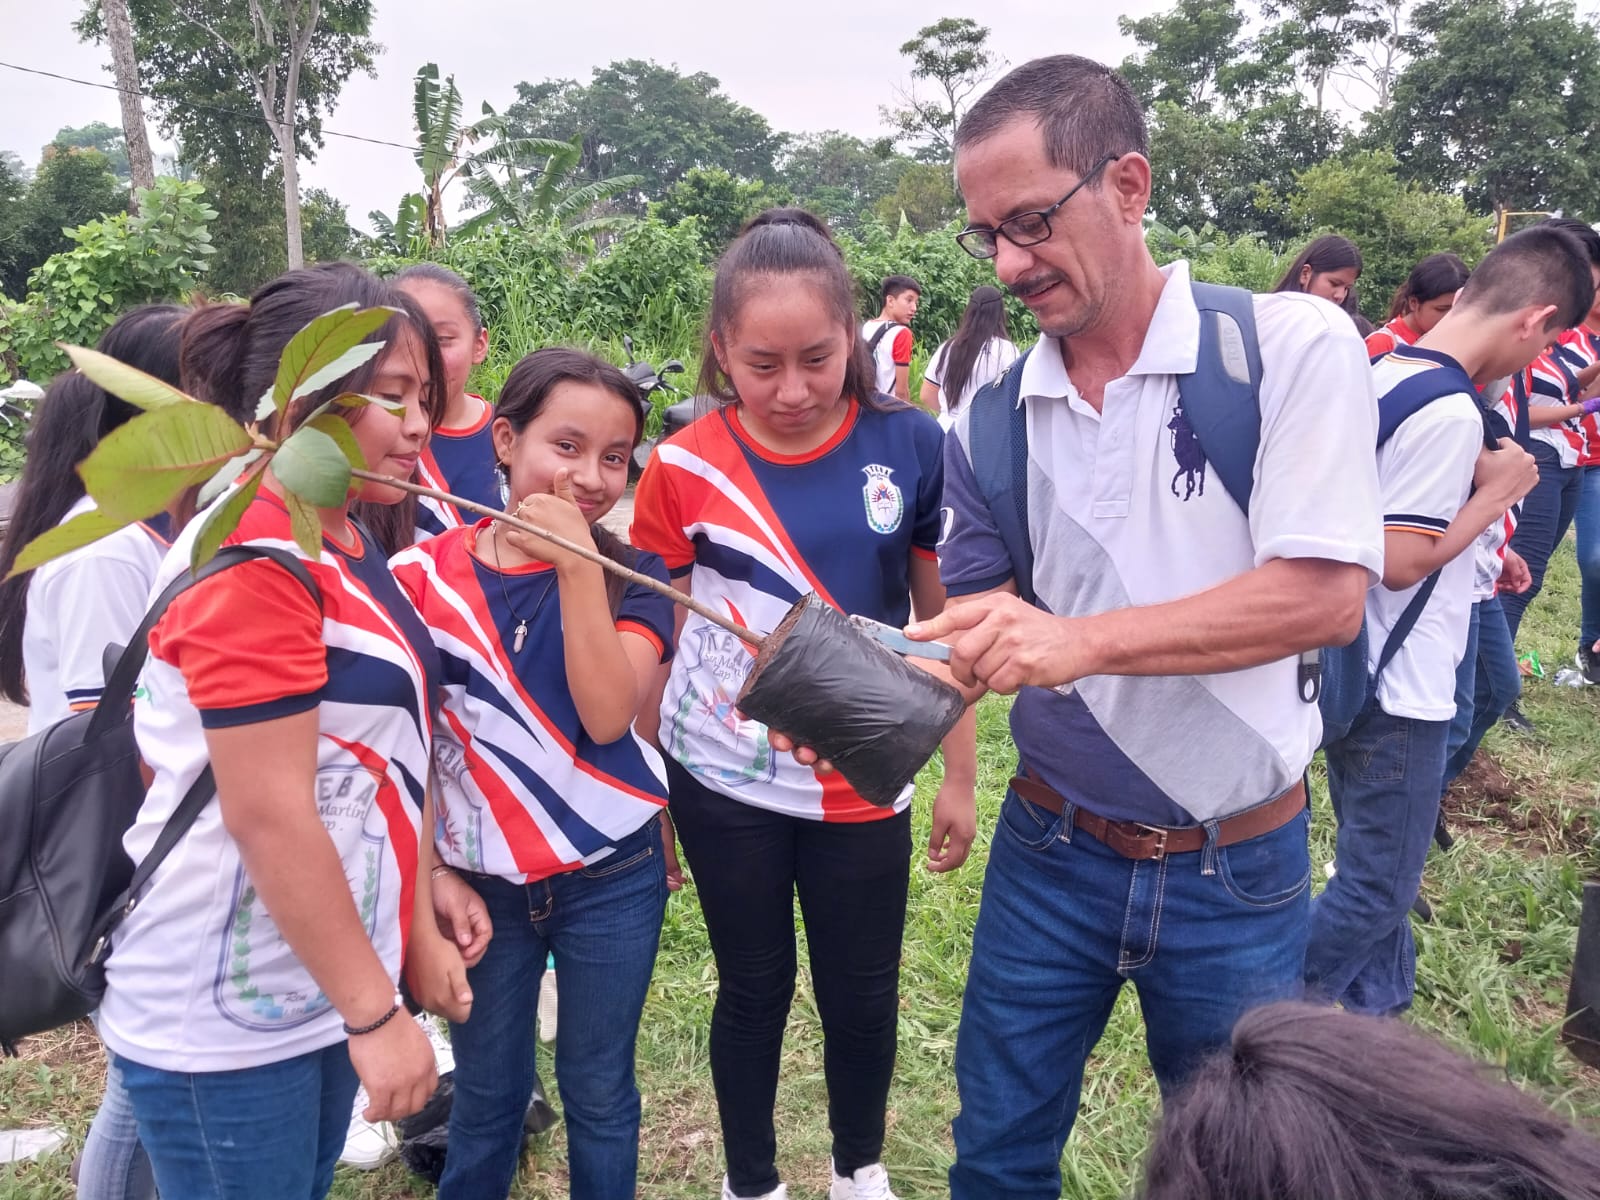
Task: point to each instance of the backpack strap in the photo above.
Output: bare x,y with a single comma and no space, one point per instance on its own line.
1408,620
1221,397
997,440
872,342
1415,392
113,706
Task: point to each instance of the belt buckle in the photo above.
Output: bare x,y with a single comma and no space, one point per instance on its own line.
1159,851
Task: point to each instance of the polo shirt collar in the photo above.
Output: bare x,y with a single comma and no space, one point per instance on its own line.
1171,344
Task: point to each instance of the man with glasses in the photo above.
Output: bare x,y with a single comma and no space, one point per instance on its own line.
1156,831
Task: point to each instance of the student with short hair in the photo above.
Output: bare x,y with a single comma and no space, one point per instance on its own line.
807,478
1428,292
978,354
1441,488
888,335
1310,1103
254,987
1328,267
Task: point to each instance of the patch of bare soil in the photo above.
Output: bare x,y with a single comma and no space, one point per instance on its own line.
1486,797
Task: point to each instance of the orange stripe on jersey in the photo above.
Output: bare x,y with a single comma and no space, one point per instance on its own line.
1433,533
403,835
645,632
925,553
841,804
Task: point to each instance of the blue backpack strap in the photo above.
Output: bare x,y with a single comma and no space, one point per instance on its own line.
1414,393
997,439
1408,620
1221,399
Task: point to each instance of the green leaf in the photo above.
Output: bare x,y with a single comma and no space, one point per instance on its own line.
320,345
231,470
221,519
121,380
339,430
83,529
141,466
361,400
313,466
305,525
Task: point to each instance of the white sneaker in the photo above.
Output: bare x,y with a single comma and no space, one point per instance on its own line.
444,1058
781,1192
368,1145
547,1005
868,1183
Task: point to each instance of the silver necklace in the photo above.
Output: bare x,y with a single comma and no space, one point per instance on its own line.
520,635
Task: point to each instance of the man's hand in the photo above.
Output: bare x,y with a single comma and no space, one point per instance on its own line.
1515,576
1505,475
436,976
1003,643
669,852
955,824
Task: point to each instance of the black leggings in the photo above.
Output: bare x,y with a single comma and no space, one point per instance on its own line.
852,879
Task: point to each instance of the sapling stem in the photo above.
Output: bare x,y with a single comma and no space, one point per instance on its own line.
584,552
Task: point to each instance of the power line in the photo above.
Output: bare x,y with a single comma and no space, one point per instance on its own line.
250,115
255,115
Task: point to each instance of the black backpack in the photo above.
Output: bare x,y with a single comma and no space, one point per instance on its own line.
67,795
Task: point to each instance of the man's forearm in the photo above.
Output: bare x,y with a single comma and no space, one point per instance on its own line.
1275,611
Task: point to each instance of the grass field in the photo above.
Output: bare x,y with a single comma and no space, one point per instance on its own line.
1492,981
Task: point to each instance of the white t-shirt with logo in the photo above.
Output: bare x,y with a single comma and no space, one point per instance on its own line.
79,604
1425,476
892,351
997,354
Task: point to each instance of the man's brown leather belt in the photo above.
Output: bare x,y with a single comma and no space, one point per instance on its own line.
1133,840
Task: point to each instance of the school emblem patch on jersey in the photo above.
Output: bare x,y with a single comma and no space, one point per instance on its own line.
885,505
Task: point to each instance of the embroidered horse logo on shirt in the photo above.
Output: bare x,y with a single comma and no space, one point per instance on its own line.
1187,453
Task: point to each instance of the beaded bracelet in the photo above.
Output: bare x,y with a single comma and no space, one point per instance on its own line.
351,1031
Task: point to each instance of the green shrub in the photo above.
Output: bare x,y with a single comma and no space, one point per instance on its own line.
116,263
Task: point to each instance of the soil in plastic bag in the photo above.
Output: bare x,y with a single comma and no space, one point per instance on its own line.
874,715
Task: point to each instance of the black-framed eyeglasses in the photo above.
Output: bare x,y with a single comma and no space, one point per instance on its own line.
1024,229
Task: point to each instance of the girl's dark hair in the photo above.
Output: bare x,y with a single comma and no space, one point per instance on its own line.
784,242
523,397
230,357
445,278
984,320
68,423
1435,276
1311,1103
1330,252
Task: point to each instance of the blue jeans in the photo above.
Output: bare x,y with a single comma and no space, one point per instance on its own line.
1487,683
115,1165
1588,520
1547,512
603,923
1383,779
1064,922
261,1133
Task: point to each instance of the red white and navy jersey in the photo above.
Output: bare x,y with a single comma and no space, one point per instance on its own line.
757,530
1489,551
1395,333
524,792
200,978
461,462
1582,349
1551,380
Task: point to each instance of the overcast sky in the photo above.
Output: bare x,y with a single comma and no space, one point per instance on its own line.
808,65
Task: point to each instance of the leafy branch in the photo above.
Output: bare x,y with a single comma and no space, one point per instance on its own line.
178,445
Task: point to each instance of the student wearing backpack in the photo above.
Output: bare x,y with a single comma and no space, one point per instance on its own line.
1441,487
1427,294
57,620
1156,830
888,335
254,985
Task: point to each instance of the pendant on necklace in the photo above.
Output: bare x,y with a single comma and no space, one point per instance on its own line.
520,636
